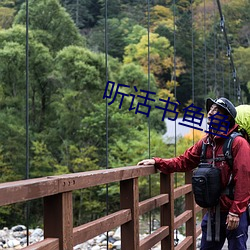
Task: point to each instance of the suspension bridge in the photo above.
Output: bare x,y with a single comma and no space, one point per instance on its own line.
56,192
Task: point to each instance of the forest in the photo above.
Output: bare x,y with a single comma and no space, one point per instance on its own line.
54,73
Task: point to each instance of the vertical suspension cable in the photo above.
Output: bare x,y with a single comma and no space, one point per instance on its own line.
174,73
205,52
27,207
149,153
235,89
229,84
221,48
175,94
27,89
149,142
192,35
77,13
215,52
107,76
175,91
223,79
222,68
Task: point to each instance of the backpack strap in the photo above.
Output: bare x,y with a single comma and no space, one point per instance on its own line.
227,151
203,155
227,148
203,152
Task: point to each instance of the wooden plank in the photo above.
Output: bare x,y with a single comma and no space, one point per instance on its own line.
185,244
152,203
154,238
90,230
58,219
98,177
167,210
24,190
198,231
46,244
198,208
129,196
178,192
182,218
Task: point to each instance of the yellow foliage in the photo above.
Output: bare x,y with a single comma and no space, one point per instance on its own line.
179,66
188,140
171,85
160,54
194,135
161,15
165,93
161,12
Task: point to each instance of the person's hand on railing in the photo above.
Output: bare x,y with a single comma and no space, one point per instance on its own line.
146,162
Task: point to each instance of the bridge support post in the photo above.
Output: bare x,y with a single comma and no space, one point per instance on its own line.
58,219
129,198
190,205
167,210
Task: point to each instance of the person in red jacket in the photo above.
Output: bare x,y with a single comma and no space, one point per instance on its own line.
233,211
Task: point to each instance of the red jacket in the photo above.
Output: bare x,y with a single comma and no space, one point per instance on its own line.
241,168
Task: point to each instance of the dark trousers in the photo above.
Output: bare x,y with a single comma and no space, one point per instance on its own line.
237,238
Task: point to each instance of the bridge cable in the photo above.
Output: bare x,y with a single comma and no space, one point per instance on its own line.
175,94
77,13
205,50
221,46
192,70
107,76
229,54
215,52
27,204
229,83
149,142
174,72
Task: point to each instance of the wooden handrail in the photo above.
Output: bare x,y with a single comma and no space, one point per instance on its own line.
58,208
24,190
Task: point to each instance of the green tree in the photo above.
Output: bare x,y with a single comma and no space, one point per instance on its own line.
237,20
12,108
78,75
53,25
6,17
117,32
42,163
13,60
13,148
241,56
161,57
84,13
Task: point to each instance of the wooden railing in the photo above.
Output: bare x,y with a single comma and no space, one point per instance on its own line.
56,192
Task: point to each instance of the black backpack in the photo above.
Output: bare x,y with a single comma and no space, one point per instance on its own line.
206,179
